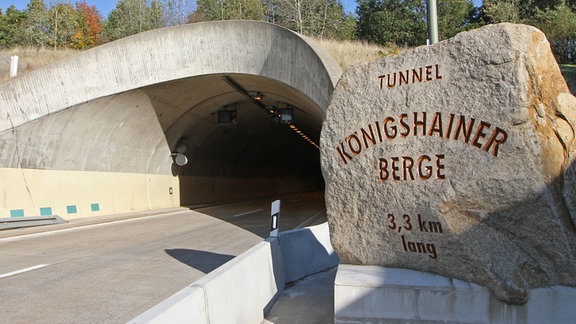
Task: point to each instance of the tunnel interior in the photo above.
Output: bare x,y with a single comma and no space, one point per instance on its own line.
243,137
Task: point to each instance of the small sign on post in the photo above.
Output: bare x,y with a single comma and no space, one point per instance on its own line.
275,215
13,66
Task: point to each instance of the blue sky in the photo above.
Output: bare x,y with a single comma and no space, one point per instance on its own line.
105,6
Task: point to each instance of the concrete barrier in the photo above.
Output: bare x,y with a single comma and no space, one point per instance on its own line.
306,251
243,289
239,291
186,306
378,295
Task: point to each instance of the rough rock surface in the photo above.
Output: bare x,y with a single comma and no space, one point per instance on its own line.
457,159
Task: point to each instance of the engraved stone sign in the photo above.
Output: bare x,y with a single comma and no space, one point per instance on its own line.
457,159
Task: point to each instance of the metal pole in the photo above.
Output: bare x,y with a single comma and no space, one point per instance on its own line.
432,22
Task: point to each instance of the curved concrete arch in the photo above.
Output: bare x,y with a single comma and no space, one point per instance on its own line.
98,129
239,47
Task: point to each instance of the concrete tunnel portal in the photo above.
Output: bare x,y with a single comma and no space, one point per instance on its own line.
98,133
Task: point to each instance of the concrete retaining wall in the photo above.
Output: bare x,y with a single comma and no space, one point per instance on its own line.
243,289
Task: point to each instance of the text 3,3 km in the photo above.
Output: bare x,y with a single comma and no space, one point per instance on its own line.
405,224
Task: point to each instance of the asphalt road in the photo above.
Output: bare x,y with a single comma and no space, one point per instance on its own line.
112,272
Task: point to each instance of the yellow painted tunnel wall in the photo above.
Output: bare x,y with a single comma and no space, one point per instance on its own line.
77,194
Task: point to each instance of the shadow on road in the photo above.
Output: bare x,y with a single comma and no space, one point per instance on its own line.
199,260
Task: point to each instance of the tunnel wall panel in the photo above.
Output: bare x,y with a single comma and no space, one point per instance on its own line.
200,190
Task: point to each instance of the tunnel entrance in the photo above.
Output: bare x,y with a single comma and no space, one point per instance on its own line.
103,142
242,137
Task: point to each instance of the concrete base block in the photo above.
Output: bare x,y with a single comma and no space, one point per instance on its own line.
373,294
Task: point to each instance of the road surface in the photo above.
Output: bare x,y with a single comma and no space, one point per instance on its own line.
112,272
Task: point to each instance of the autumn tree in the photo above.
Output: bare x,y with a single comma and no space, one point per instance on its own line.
89,21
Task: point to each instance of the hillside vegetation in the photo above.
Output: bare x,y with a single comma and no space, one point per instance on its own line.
346,53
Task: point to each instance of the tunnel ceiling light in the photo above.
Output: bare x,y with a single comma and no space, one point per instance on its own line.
231,82
255,95
299,132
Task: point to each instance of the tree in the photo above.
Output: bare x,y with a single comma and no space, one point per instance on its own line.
404,22
556,18
517,11
230,9
454,16
391,22
37,24
559,25
12,26
178,11
316,18
134,16
62,25
336,24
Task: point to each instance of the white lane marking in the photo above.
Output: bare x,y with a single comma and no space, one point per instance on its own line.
13,273
249,212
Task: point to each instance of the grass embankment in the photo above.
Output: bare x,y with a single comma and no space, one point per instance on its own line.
30,58
346,53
